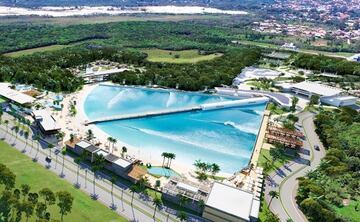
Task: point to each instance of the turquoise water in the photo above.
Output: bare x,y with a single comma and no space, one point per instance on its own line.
161,171
225,136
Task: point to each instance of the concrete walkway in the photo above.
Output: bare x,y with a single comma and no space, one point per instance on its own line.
120,201
284,180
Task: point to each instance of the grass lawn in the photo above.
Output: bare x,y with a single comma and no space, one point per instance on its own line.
39,49
185,56
349,211
84,208
274,109
265,157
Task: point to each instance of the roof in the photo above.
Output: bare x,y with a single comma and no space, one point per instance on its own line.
102,152
344,98
317,88
91,148
230,200
187,187
122,163
14,95
83,144
111,158
45,119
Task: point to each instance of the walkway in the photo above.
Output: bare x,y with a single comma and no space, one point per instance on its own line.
284,179
141,210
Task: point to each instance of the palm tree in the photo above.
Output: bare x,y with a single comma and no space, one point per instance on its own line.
214,169
157,204
63,152
112,180
77,161
26,135
182,200
171,157
60,136
182,216
89,135
98,165
273,194
133,189
114,141
164,155
123,151
6,122
72,137
50,146
109,139
16,129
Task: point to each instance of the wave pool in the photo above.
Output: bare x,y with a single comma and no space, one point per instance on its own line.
225,136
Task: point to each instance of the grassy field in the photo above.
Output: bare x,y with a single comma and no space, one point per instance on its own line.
84,208
39,49
349,211
265,157
185,56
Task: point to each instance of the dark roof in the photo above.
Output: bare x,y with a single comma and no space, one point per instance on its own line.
91,148
111,158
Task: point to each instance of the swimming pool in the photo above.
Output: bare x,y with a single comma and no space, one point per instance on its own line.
161,171
225,136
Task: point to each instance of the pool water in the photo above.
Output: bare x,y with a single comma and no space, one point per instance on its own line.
225,136
161,171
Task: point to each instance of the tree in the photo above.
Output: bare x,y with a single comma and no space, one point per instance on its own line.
215,169
113,181
98,164
273,194
157,204
164,156
50,146
16,129
314,100
182,216
171,157
6,122
26,135
48,195
133,189
28,209
65,202
89,135
294,101
77,161
25,189
182,200
63,152
7,177
72,137
123,151
40,210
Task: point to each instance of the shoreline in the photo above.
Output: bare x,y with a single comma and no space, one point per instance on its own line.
76,126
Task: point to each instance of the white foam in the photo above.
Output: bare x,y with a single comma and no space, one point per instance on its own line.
171,100
243,127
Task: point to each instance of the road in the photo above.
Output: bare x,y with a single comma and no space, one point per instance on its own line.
120,202
284,180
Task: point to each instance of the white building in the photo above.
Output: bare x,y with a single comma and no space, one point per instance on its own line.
255,73
15,96
339,101
46,122
290,46
227,203
311,88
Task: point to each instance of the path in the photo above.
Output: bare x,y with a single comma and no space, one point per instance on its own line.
285,178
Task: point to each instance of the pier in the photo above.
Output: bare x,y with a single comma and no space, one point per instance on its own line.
210,106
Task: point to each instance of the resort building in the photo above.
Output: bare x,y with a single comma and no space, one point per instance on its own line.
227,203
311,88
118,165
91,76
177,187
15,96
255,73
46,122
286,137
339,101
88,148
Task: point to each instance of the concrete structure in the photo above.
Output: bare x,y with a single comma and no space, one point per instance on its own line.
339,101
311,88
236,103
15,96
117,165
91,76
227,203
86,147
255,73
46,122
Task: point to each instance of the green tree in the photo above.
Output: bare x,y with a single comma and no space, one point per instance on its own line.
294,101
157,204
48,195
182,216
65,202
273,194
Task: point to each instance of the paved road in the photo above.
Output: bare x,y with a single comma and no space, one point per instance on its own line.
284,179
120,202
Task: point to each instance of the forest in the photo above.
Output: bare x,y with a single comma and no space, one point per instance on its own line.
322,192
326,64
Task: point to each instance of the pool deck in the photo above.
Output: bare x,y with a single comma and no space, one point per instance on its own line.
260,139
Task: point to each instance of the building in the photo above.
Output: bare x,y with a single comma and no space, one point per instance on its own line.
15,96
290,46
255,73
88,148
194,192
311,88
339,101
227,203
46,122
118,165
91,76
